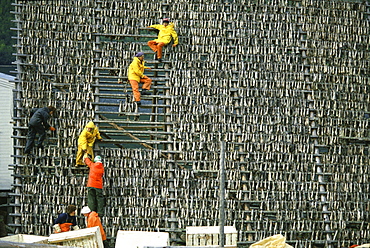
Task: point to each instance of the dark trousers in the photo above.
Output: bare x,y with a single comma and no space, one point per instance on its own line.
95,200
32,131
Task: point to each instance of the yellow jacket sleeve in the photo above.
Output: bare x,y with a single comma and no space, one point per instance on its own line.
174,37
156,26
97,135
137,70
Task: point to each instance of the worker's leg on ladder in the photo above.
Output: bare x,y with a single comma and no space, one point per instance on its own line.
147,82
135,90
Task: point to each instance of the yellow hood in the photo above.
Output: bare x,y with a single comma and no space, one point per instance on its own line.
90,125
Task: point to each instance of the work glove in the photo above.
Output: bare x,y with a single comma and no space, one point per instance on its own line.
74,228
51,128
56,228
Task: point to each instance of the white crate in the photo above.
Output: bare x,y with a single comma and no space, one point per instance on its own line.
86,238
26,238
140,239
209,236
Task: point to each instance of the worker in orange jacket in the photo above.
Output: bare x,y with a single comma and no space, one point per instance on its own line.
95,199
93,219
86,142
165,35
136,76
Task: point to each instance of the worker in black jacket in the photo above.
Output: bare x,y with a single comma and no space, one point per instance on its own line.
38,124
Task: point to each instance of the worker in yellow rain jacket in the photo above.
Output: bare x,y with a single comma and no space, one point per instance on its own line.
136,76
86,142
166,34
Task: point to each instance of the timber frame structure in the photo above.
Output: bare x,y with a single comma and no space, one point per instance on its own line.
284,83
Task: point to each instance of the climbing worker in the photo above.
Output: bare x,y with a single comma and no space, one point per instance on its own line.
136,76
165,35
95,199
93,219
38,124
66,221
86,142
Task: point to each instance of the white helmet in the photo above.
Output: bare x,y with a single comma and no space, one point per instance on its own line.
97,159
85,210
